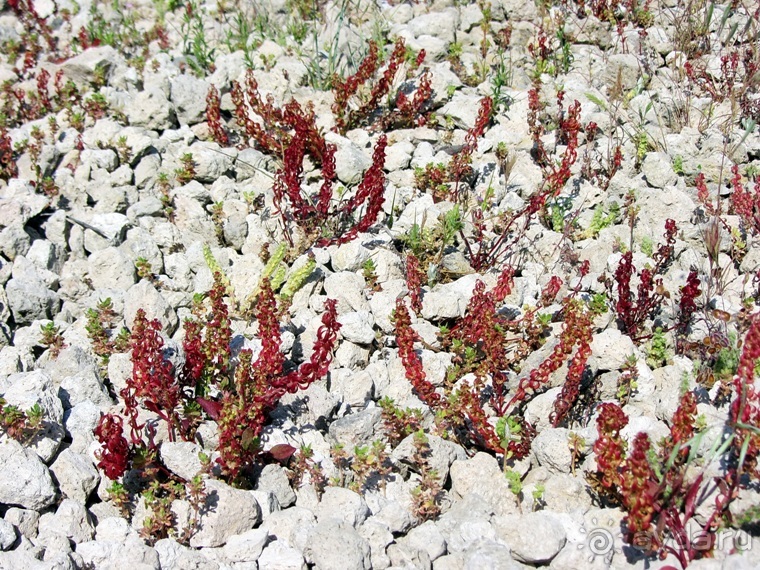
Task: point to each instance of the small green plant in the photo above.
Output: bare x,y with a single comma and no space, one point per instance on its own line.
678,164
399,423
19,425
100,325
627,381
119,497
727,361
558,213
200,54
508,430
647,246
369,272
455,50
514,480
643,146
600,220
52,338
598,304
538,496
144,270
657,351
427,495
186,172
96,106
124,150
160,520
164,187
501,79
218,217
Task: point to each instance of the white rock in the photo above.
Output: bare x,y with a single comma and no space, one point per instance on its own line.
181,458
246,547
70,519
82,68
76,475
379,537
350,160
110,268
7,535
658,170
279,556
174,555
481,475
188,93
342,505
228,512
467,523
550,448
145,296
274,478
348,289
24,520
290,526
151,109
86,386
440,24
357,327
449,300
113,555
349,256
30,300
426,536
533,538
610,350
333,544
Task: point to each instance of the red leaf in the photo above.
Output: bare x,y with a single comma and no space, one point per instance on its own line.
690,502
211,407
282,452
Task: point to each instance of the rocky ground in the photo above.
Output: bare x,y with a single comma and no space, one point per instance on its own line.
115,187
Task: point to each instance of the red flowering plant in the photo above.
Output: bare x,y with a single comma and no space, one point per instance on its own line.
357,100
472,401
414,279
495,241
248,391
214,117
319,216
658,490
634,309
745,202
661,489
291,132
258,385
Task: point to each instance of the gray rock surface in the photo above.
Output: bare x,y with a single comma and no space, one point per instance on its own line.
24,478
228,512
335,545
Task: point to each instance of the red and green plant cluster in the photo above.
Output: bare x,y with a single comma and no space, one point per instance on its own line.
487,345
248,390
661,487
290,133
